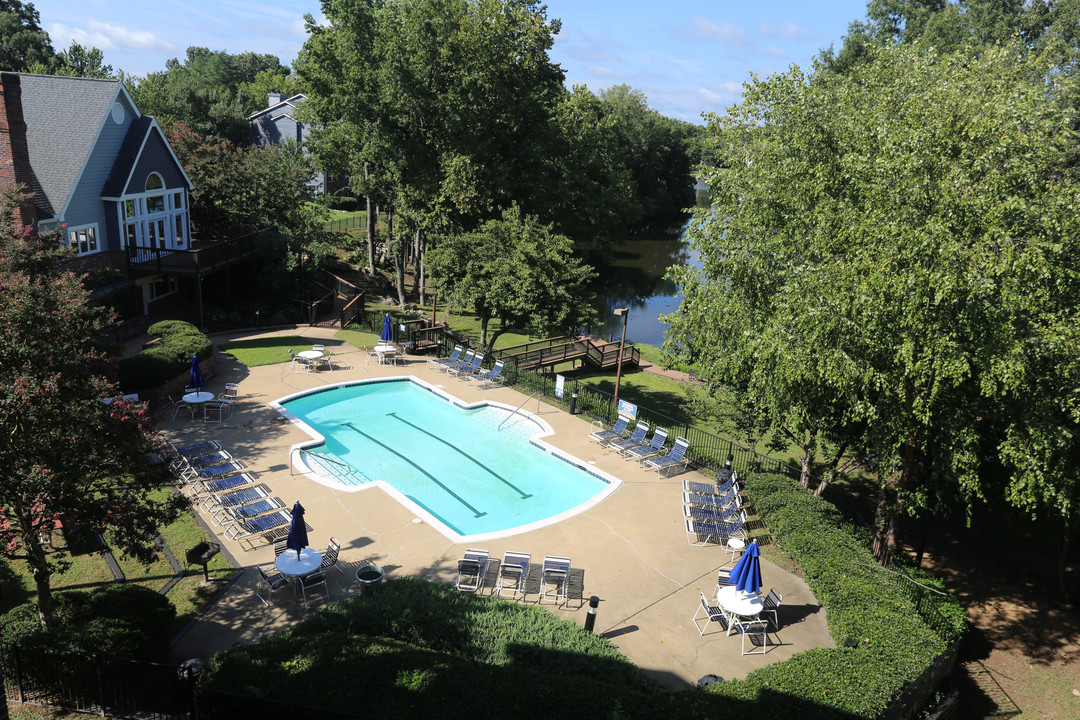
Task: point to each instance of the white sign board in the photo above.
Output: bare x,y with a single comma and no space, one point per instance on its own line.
628,409
560,383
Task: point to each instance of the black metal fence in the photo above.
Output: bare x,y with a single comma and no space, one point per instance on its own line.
99,684
345,224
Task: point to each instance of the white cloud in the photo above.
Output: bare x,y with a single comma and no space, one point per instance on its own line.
703,29
773,51
104,36
720,93
791,31
604,72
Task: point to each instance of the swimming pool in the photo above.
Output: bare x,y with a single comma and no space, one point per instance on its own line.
475,472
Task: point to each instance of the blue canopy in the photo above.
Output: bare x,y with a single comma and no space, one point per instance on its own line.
297,530
196,373
387,333
746,575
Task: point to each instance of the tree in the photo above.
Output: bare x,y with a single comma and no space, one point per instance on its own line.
79,61
22,41
518,272
65,452
212,92
884,238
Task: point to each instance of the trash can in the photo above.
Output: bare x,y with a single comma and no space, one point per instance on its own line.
708,680
369,576
408,347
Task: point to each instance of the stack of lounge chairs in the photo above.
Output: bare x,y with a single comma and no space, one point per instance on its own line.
234,500
713,513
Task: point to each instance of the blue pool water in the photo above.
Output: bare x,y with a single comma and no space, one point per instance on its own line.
453,462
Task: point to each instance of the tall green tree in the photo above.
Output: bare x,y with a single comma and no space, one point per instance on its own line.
884,238
518,272
65,452
22,40
212,92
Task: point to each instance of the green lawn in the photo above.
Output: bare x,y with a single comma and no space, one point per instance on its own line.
266,351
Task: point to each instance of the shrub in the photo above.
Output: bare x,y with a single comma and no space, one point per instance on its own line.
159,364
122,620
864,604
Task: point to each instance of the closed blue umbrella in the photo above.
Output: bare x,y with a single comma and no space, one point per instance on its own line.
297,530
746,575
387,334
196,373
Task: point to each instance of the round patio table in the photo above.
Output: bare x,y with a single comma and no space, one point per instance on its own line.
737,602
288,564
199,398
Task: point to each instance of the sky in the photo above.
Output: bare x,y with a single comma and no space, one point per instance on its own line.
688,58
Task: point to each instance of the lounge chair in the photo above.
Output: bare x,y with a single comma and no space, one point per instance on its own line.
261,525
720,502
214,458
201,489
512,573
713,515
217,471
449,360
226,516
214,502
470,369
617,431
471,570
554,578
702,532
195,450
463,362
731,482
635,439
492,376
673,459
653,447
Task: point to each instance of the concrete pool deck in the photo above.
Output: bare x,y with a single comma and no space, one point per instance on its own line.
632,546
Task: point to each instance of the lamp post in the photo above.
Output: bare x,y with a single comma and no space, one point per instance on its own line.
624,313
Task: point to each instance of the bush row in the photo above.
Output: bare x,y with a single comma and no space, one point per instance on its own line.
864,604
161,363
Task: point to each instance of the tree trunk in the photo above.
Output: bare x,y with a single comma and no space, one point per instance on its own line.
890,505
421,255
398,254
483,329
370,227
42,576
834,471
416,263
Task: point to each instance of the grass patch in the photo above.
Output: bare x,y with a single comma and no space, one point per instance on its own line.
267,350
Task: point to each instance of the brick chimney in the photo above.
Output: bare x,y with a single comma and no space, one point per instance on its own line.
14,155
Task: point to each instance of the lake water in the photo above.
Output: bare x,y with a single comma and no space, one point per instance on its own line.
635,279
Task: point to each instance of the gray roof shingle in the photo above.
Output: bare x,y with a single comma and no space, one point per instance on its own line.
63,116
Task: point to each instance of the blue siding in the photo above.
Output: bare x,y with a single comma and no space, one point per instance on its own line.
86,206
155,157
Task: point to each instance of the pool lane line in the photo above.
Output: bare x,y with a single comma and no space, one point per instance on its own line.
478,513
455,448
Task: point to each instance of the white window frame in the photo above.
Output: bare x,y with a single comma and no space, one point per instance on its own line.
175,207
90,234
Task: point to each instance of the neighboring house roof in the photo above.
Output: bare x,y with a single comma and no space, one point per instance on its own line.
64,117
143,130
281,108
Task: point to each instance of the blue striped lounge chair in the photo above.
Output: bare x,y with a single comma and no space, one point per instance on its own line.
490,377
219,471
512,573
248,530
201,489
235,497
225,517
471,569
464,361
648,450
708,500
713,515
470,369
673,459
635,439
617,431
728,484
214,458
449,360
703,532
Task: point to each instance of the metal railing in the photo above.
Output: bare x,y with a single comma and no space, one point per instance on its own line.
199,260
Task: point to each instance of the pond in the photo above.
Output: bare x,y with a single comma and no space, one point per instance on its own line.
635,278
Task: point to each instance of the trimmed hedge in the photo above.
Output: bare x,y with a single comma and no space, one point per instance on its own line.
863,602
120,620
159,364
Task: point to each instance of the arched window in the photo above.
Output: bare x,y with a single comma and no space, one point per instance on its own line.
154,182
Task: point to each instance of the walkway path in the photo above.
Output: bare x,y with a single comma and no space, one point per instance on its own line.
632,545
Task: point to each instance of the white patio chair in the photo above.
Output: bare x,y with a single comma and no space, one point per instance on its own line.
713,614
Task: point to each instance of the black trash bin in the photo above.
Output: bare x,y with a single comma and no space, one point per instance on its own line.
409,347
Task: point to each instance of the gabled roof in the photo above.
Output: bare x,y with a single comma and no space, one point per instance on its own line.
281,108
64,116
128,156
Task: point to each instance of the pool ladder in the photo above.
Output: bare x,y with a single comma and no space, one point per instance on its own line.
321,461
518,408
